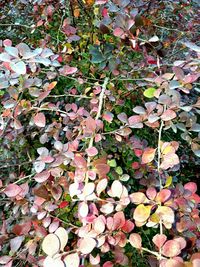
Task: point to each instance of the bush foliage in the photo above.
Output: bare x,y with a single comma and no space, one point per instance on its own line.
100,133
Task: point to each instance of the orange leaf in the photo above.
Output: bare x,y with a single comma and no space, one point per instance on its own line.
148,155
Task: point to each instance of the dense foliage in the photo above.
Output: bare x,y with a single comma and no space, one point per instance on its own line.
100,133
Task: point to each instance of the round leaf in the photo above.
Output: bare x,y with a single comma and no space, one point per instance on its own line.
87,244
51,244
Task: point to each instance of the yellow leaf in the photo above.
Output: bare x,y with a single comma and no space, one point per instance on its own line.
168,181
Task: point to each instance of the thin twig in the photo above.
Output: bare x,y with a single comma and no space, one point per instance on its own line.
101,97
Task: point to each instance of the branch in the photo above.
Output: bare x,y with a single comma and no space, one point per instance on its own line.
101,96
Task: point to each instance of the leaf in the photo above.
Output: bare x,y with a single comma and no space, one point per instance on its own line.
191,186
67,70
51,262
19,67
99,225
86,245
15,243
135,240
62,234
116,189
118,32
5,57
171,248
135,119
94,260
42,177
139,110
163,195
118,220
192,46
149,93
51,244
153,39
166,214
148,155
138,198
128,226
108,116
39,120
92,151
83,209
169,161
12,190
159,240
72,260
141,213
168,115
101,186
13,51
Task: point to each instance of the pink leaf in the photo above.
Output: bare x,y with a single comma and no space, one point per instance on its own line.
66,70
159,240
101,186
118,32
138,198
191,186
83,209
87,244
42,177
12,190
40,120
163,195
168,115
118,220
99,224
92,151
108,116
135,240
171,248
94,260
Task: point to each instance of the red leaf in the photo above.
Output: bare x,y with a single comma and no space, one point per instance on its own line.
135,240
40,120
128,226
12,190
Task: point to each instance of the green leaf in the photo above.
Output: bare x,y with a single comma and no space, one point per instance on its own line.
119,170
149,92
112,163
